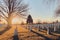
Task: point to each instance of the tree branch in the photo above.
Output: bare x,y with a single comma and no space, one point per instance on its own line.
3,17
3,14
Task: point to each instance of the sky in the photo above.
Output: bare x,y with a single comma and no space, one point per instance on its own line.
42,11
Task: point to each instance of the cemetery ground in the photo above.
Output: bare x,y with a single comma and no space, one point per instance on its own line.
19,32
4,28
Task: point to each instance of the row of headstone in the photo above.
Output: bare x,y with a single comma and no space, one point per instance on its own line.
48,30
43,26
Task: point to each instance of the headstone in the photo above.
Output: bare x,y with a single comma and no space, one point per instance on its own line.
54,28
38,27
48,30
30,27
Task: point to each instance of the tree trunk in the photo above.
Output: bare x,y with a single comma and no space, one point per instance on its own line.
9,21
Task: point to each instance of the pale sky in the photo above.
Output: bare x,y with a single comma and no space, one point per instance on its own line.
40,10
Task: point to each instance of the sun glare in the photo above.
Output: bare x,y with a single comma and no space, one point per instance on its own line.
15,21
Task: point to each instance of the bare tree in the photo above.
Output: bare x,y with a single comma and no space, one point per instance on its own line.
10,7
57,11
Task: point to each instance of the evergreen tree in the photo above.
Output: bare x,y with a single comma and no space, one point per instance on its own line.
29,19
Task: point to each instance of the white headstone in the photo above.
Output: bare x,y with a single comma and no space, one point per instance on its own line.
48,31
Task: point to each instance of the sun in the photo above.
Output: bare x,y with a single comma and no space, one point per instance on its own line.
15,21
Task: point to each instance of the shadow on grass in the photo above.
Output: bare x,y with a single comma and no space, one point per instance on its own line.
3,31
56,35
15,37
58,38
46,38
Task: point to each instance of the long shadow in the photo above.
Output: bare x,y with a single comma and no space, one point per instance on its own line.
56,35
15,37
3,31
46,38
58,38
